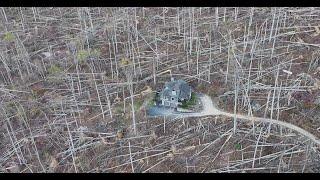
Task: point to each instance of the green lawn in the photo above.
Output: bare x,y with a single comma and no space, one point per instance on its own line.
154,98
189,103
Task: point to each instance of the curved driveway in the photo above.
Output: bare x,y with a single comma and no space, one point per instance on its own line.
209,109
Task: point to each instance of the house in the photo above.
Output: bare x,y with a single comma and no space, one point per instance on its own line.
174,93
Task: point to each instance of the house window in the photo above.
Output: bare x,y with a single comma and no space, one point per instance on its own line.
174,92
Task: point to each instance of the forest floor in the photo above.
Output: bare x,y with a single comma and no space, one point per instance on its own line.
75,84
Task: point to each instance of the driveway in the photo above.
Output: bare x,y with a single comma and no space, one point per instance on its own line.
207,104
210,109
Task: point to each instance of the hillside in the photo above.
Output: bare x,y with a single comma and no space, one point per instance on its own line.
75,84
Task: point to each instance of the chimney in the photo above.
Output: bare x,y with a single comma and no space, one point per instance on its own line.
174,93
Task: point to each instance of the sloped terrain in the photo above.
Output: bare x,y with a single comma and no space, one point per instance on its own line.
73,89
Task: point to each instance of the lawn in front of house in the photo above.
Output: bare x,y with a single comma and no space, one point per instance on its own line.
187,104
152,99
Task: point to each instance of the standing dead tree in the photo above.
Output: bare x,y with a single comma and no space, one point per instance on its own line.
64,89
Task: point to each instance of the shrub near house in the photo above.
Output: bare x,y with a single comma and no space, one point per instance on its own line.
186,104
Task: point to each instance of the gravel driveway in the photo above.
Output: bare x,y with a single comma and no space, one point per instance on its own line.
210,109
207,104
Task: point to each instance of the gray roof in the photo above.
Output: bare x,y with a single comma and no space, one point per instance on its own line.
180,86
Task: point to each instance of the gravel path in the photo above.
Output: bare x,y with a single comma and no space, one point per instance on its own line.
208,108
211,110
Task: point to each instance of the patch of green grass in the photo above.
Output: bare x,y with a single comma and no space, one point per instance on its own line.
189,103
151,102
95,52
54,69
193,53
137,104
8,36
237,146
82,55
118,109
154,99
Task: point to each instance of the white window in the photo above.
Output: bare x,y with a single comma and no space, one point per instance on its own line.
174,92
